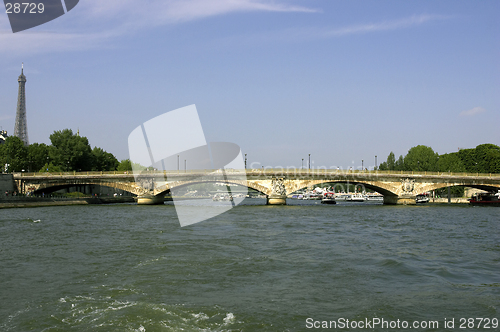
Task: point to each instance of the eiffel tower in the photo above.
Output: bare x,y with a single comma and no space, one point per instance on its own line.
21,125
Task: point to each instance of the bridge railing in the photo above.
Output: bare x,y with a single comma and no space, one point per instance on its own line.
264,171
321,171
72,173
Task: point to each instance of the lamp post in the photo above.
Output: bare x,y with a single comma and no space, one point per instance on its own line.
362,164
185,165
301,167
177,163
309,161
376,167
245,161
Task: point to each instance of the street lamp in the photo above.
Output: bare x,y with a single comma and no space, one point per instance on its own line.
376,167
309,161
362,165
301,167
177,163
185,165
245,161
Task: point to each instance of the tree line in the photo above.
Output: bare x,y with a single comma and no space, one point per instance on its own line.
67,152
484,158
72,152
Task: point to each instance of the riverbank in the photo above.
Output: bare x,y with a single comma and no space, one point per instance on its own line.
453,200
26,202
22,202
4,205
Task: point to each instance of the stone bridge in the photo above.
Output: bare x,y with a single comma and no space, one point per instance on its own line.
397,187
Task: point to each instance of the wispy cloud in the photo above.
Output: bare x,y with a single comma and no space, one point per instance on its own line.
385,25
158,12
93,23
473,111
96,23
43,42
311,33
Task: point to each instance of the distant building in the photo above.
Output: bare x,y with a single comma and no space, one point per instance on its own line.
3,136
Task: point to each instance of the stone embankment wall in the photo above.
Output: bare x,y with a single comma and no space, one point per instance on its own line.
7,184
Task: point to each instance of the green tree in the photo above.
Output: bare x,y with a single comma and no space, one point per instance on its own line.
51,168
71,152
484,158
390,164
38,156
103,161
488,158
124,165
468,158
13,155
450,162
391,161
420,158
399,165
383,166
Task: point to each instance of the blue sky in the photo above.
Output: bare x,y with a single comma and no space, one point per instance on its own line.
341,80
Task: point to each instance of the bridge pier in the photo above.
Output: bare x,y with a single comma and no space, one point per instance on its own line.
278,193
400,200
150,200
276,200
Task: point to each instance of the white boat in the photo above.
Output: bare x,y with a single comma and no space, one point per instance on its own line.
374,197
328,198
222,197
341,197
422,198
355,198
312,195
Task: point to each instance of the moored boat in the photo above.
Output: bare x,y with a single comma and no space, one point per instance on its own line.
222,197
374,197
356,198
486,199
328,198
422,198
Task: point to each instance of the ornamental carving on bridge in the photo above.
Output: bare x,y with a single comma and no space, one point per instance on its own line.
408,185
278,187
146,183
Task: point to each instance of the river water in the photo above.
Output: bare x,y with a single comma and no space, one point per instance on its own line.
255,268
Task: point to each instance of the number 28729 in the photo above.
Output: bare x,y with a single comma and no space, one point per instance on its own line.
24,7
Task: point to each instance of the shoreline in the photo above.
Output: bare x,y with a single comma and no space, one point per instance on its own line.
41,202
20,204
453,200
29,203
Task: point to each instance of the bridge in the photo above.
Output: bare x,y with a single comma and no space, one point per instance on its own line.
398,187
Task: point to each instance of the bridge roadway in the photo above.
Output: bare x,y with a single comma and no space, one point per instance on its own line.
397,187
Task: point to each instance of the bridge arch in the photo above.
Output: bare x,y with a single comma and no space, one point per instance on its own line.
51,187
166,189
294,186
436,186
